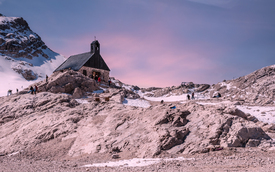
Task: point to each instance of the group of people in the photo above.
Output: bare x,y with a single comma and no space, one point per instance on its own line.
33,90
10,92
98,79
193,96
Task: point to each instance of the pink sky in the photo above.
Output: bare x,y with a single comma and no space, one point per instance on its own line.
159,43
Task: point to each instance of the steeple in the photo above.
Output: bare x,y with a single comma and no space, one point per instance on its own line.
95,47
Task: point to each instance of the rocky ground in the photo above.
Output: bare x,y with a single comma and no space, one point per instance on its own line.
230,159
54,130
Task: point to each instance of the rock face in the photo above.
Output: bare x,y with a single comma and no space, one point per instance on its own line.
68,81
18,40
176,90
26,73
257,87
29,122
22,47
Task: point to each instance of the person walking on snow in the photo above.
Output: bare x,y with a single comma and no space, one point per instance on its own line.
193,95
188,97
99,79
31,90
35,89
9,92
109,81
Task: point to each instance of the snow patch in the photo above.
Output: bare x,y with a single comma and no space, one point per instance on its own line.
82,101
136,102
12,80
265,114
137,162
228,86
175,98
262,113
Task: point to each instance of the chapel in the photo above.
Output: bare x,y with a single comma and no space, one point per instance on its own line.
90,63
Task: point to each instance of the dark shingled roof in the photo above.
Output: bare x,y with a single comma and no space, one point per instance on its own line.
75,62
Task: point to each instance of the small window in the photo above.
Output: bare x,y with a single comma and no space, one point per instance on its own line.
85,72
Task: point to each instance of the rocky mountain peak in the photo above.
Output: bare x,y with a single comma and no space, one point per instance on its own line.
22,50
18,40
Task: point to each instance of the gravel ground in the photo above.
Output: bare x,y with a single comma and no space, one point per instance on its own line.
234,159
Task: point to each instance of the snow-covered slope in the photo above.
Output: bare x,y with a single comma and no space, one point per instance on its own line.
24,57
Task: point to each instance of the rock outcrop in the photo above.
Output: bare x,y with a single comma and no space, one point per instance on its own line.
176,90
18,40
257,87
108,127
67,81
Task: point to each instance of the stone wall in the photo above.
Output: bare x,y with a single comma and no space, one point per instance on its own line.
104,74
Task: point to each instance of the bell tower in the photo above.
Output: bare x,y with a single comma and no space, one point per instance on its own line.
95,47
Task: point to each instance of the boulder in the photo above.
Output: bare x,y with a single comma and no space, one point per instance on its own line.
130,94
243,134
173,138
78,93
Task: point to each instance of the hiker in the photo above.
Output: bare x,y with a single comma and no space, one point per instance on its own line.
35,89
46,78
193,97
96,78
188,97
17,90
109,81
31,90
9,92
99,79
